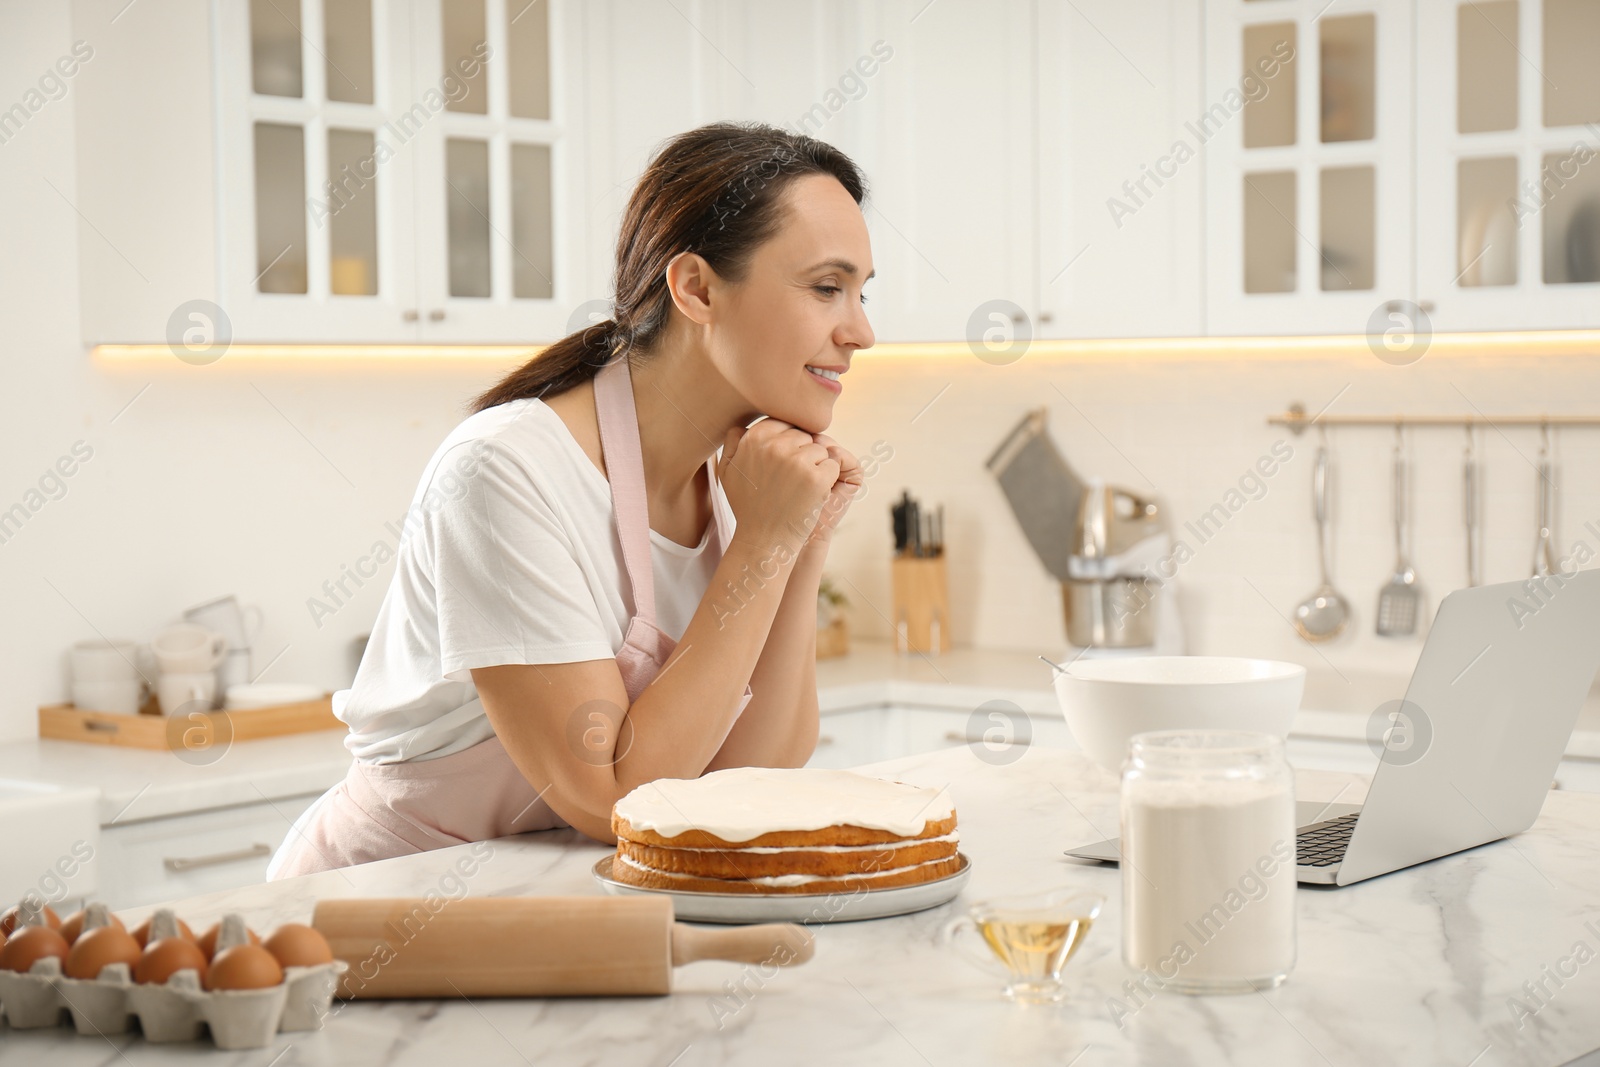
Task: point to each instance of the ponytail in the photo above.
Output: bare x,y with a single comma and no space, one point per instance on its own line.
571,361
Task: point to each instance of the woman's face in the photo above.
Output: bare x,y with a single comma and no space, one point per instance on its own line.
798,309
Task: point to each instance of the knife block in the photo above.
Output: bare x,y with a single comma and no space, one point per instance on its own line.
921,597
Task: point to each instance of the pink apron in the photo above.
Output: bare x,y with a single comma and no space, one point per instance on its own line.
398,809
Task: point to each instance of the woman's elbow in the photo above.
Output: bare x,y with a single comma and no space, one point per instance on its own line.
589,820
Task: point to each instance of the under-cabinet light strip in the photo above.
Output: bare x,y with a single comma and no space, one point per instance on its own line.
1509,344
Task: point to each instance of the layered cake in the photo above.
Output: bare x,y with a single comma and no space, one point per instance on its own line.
783,830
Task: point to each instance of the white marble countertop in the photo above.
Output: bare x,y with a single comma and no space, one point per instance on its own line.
1419,966
139,784
1334,707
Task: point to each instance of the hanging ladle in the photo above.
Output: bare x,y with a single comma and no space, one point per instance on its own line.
1544,549
1325,613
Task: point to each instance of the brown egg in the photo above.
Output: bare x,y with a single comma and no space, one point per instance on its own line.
208,940
72,925
29,944
244,967
167,956
99,948
296,945
141,933
8,921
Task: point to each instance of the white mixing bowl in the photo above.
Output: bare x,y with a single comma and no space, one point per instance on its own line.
1107,701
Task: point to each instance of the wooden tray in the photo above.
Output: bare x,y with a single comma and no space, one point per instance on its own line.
63,722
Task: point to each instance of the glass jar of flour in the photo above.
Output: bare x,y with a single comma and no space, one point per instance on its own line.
1208,861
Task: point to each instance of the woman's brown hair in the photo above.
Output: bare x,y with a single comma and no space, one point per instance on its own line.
717,191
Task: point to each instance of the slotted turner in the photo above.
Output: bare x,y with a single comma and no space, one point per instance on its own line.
1400,599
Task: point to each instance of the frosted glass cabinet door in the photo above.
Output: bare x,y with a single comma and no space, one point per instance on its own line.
316,176
398,170
1508,198
490,191
1306,125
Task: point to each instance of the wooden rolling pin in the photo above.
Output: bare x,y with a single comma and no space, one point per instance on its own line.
532,946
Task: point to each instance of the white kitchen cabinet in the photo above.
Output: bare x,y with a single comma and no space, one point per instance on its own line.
1354,756
868,735
318,171
1327,754
953,171
1508,164
1120,169
328,171
646,75
146,188
157,860
986,189
1582,775
851,738
986,729
932,101
1308,124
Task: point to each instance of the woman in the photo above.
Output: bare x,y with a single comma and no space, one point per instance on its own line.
590,595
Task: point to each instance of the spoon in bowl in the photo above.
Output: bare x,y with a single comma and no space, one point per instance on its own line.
1061,668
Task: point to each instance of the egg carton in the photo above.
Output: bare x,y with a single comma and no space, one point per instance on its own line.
176,1010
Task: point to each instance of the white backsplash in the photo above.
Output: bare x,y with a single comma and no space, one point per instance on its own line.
1188,429
270,479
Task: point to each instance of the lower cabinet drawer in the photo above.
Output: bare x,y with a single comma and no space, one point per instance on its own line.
164,859
929,729
851,738
1580,774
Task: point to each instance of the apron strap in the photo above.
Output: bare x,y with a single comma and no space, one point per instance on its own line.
619,442
721,528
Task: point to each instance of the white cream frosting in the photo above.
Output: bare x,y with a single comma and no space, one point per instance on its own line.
789,879
758,850
741,803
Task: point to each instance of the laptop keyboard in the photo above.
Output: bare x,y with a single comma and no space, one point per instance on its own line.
1323,845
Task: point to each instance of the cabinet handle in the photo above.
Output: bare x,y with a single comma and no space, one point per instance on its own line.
189,863
408,315
957,735
436,315
823,739
1045,316
1424,306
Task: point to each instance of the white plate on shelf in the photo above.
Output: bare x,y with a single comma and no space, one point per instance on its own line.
247,696
798,907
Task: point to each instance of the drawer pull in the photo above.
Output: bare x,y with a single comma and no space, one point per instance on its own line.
189,863
957,735
824,739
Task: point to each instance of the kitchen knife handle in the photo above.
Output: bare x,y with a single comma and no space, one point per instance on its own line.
782,944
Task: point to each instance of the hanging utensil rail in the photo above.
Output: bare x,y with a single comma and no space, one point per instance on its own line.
1298,420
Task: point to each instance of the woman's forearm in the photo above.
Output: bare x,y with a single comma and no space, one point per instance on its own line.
677,725
779,727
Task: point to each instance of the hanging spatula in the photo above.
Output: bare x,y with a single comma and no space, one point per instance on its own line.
1400,600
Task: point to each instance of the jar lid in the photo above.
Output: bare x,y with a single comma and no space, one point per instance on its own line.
1203,748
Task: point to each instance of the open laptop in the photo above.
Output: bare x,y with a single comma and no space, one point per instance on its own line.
1468,757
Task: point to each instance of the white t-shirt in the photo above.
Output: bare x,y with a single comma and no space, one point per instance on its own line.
509,554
